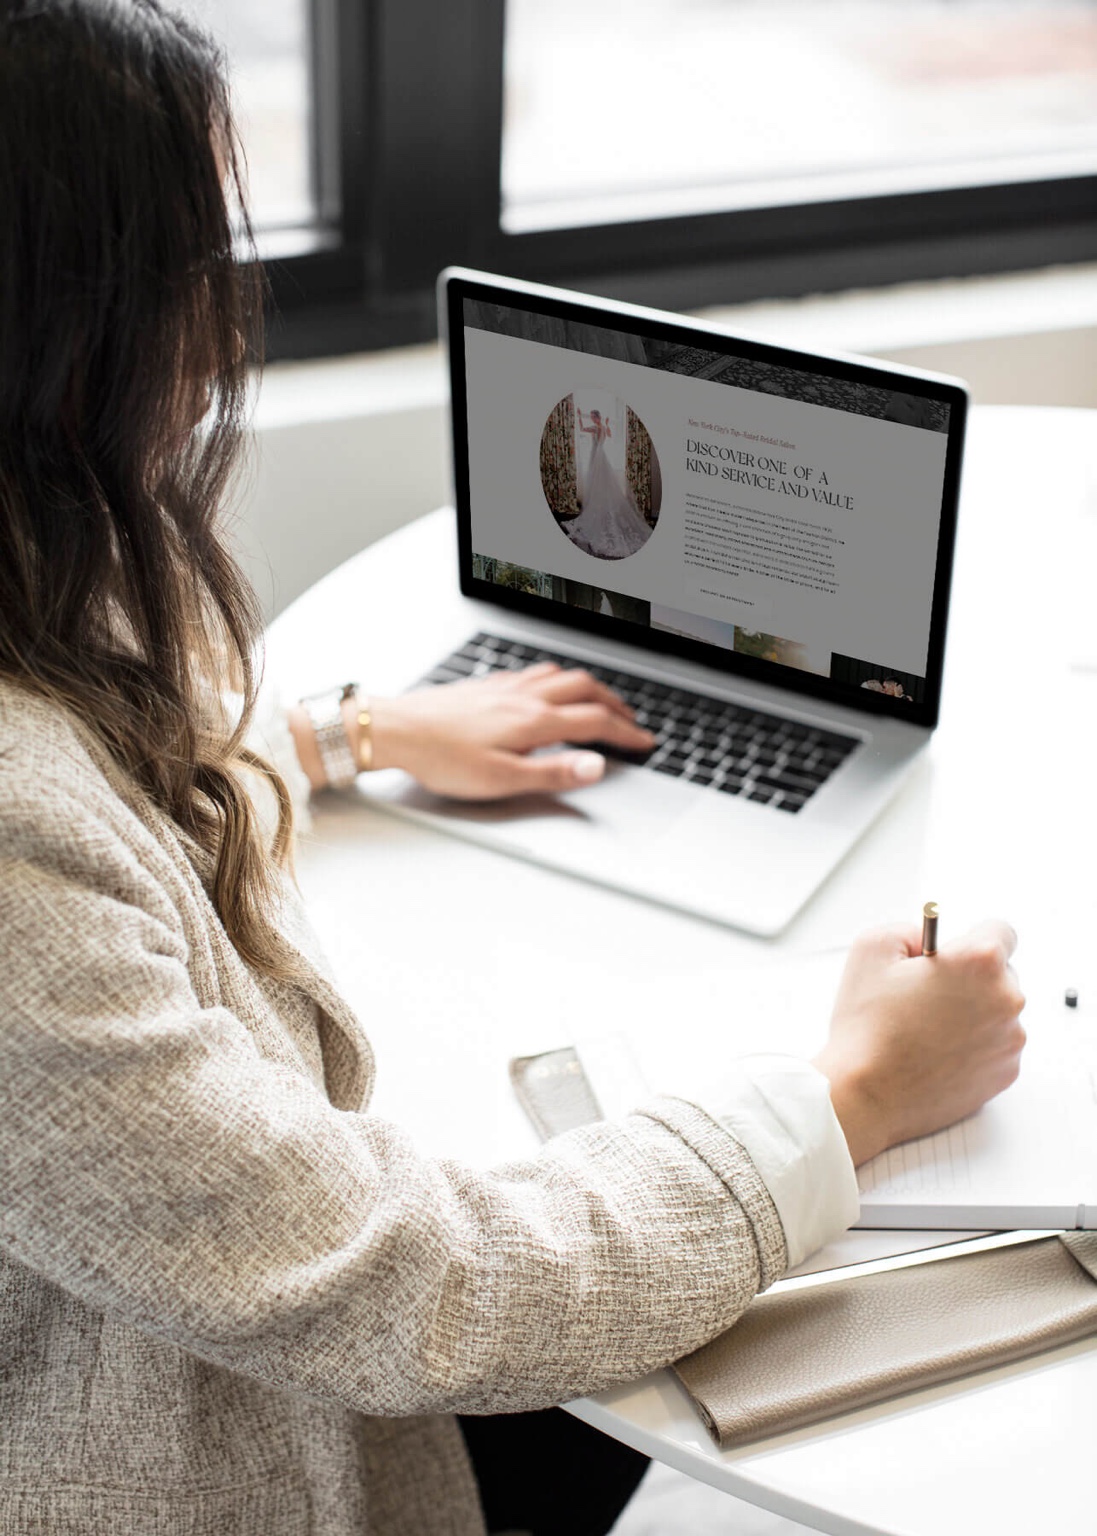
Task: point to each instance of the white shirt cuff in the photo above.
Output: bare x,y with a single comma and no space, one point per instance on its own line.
270,736
779,1109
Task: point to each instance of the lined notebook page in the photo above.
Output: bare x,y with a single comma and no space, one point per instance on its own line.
1032,1149
937,1163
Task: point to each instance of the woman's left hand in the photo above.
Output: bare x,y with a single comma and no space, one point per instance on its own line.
475,739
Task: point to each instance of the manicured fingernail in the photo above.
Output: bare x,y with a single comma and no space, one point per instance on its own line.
588,767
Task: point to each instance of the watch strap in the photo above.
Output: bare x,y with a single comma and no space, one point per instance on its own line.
325,712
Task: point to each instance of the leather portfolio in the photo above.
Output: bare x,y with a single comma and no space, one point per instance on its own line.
803,1353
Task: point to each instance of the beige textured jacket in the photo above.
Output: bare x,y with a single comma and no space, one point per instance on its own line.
234,1303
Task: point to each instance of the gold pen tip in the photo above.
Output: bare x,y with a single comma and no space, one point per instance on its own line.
930,909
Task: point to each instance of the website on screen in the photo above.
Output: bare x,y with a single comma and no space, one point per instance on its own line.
783,515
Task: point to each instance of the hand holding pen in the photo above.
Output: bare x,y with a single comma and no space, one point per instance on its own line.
914,1047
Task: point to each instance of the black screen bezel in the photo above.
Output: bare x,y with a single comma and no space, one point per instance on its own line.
458,288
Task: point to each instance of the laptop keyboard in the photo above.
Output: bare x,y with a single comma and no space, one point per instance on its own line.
729,748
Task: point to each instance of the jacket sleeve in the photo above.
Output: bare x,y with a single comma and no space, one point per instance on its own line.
155,1164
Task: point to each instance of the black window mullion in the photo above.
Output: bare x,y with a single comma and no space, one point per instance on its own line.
339,65
439,78
1045,205
769,252
317,296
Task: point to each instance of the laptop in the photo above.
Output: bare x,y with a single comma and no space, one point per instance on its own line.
753,545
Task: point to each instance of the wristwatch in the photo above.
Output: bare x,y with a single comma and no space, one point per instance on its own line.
325,712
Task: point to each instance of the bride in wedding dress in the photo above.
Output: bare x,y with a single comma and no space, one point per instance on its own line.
610,525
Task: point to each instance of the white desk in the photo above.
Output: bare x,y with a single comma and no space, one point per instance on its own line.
458,958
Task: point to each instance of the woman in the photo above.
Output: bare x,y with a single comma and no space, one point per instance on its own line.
610,525
232,1300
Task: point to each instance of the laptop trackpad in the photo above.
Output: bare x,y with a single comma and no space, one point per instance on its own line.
630,802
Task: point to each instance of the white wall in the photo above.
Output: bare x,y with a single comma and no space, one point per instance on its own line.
348,450
322,490
1045,368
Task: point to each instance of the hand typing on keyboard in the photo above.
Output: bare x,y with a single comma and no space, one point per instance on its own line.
473,738
709,743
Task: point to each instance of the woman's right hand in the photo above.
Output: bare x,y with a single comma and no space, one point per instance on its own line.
917,1042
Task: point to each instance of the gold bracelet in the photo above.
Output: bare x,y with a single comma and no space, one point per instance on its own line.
365,736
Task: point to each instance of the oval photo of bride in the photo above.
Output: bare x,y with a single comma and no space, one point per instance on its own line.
600,474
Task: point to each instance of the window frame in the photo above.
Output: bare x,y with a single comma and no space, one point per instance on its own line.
408,141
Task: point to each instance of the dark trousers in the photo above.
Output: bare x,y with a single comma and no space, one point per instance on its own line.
550,1474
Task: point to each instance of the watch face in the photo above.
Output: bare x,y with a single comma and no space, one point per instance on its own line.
327,706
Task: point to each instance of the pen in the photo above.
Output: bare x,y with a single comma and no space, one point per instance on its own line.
929,928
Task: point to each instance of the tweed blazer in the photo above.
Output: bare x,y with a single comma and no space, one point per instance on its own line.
233,1302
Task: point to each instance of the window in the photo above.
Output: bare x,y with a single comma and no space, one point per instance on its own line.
268,43
642,108
675,152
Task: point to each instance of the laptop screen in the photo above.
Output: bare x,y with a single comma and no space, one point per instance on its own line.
785,517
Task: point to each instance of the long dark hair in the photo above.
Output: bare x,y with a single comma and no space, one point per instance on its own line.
125,317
